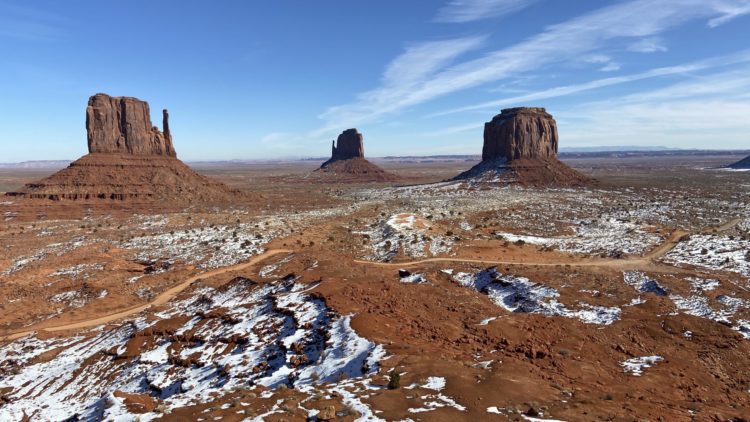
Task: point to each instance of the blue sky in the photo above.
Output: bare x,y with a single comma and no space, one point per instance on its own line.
258,80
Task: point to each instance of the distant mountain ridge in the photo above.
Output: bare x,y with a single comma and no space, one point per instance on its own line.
41,164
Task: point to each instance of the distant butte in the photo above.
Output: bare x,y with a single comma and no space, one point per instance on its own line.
520,146
350,144
742,164
348,163
129,160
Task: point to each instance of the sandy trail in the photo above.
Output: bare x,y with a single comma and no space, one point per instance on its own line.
161,299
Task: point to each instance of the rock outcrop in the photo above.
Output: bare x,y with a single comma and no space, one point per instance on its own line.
520,146
742,164
522,132
348,163
123,125
129,160
349,144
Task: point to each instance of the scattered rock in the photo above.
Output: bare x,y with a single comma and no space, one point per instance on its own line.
327,413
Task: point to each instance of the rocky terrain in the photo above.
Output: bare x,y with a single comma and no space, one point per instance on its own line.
348,163
520,146
129,161
510,294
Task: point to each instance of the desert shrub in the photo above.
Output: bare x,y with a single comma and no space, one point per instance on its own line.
394,380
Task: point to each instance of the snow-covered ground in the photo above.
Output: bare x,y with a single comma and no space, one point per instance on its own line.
608,236
57,249
635,366
239,335
518,294
407,233
713,253
721,309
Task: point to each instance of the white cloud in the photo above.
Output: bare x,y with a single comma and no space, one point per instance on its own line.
558,43
648,45
730,11
741,57
561,91
461,11
404,75
598,58
610,67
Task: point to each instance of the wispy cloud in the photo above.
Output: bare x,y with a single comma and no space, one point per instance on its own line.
29,24
560,91
474,126
611,67
404,75
648,45
461,11
558,43
700,113
730,11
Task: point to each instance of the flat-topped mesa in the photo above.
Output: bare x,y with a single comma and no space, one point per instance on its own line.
122,125
521,132
349,144
520,146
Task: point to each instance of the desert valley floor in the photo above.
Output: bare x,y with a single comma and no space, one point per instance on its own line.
626,300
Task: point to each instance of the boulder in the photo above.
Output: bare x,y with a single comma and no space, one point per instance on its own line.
122,125
327,413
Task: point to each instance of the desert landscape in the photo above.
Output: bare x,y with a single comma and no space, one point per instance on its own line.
521,289
472,210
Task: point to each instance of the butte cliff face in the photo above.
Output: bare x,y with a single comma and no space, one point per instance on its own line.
129,160
520,146
522,132
123,125
348,163
350,144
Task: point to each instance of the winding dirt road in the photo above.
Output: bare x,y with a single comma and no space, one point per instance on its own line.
161,299
170,293
654,254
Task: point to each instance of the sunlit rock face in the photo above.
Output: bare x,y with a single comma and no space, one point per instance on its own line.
122,125
523,132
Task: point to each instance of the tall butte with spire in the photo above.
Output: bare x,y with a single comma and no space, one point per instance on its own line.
129,159
348,163
520,146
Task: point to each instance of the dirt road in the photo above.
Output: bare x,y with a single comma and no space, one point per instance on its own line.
164,297
161,299
634,261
